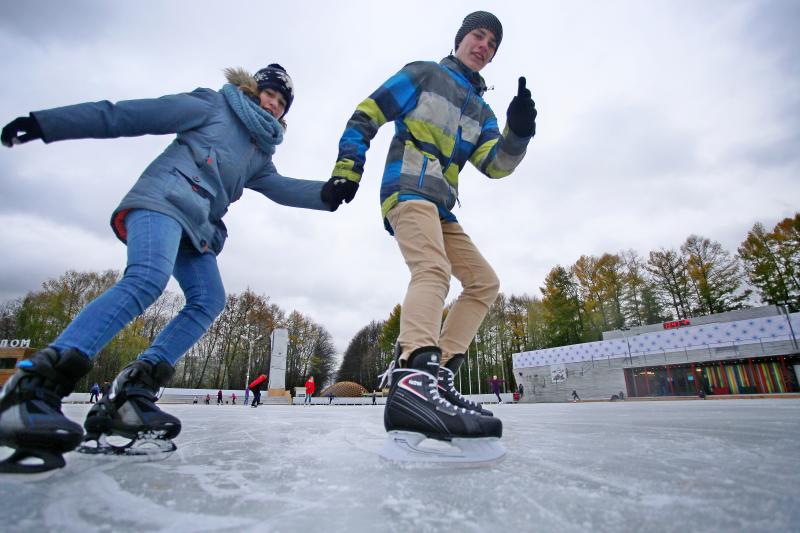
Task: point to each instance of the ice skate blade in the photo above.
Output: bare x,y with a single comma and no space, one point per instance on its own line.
30,465
146,447
410,449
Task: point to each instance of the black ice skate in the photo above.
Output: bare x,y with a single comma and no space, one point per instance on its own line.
129,411
415,411
31,421
447,388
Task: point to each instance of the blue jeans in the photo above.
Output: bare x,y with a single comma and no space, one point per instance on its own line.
155,253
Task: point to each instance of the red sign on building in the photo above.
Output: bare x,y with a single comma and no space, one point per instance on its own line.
676,324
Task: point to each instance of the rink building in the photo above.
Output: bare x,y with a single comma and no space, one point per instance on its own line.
752,351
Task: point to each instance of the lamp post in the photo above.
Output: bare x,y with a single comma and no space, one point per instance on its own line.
478,364
469,373
249,357
785,308
623,329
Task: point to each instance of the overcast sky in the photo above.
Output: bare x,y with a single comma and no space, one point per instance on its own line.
656,120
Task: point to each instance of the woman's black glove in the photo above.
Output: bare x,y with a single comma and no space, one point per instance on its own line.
521,112
338,190
21,130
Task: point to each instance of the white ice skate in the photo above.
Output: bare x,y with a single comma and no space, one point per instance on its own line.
126,423
414,448
148,446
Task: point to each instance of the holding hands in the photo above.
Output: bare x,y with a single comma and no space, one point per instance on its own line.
521,114
338,190
20,130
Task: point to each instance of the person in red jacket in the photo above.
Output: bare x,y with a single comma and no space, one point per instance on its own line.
255,386
309,390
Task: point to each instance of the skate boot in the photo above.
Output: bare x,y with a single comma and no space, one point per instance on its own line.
128,411
415,411
31,421
447,388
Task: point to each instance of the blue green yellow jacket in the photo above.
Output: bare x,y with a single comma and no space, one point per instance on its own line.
441,122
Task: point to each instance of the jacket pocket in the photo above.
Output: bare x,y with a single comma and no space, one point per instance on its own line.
192,196
422,174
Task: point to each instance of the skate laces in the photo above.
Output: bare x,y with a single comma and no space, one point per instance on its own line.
451,388
386,377
435,396
454,392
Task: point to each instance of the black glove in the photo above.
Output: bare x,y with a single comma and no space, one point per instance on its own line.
521,112
338,190
21,130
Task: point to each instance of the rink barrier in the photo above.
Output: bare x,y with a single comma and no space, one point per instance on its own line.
381,400
176,396
485,399
186,396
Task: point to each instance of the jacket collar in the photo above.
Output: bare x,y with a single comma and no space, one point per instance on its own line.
456,65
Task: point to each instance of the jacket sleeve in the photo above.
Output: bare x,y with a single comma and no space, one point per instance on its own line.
397,96
289,191
497,155
128,118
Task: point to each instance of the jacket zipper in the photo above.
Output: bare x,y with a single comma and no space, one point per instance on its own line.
422,173
458,131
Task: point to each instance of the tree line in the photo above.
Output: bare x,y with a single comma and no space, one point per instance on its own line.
607,292
218,360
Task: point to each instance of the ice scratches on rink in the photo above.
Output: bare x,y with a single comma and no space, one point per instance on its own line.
622,466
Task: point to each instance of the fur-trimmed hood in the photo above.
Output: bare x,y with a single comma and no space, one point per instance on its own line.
241,78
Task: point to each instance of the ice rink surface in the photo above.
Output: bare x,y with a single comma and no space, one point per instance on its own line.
624,466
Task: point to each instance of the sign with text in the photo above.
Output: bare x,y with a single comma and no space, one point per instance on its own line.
15,343
676,324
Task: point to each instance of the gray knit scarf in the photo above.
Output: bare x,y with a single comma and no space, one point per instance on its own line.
265,129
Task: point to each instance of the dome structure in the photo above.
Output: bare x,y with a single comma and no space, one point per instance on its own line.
344,389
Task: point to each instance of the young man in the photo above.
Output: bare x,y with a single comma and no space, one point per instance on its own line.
441,123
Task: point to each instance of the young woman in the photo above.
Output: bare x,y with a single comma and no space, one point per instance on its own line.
171,221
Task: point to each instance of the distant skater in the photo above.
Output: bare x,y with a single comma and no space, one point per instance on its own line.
575,397
255,386
495,383
94,393
310,386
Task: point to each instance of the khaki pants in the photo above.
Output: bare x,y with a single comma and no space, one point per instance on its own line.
434,250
